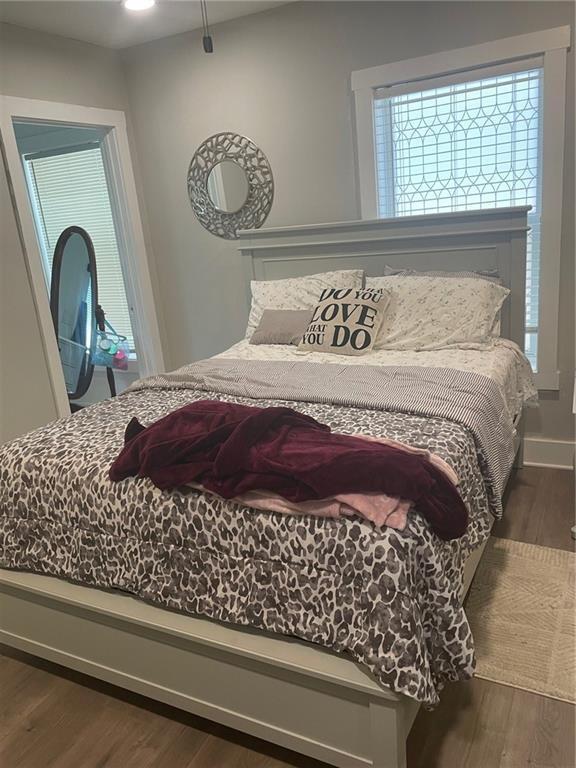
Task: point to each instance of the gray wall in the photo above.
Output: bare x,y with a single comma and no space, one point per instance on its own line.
39,66
282,77
26,398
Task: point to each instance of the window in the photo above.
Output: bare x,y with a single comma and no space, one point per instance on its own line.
70,187
433,133
466,145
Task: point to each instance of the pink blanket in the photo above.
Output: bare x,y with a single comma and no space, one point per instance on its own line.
379,509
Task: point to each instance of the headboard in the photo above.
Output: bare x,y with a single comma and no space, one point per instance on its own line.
491,239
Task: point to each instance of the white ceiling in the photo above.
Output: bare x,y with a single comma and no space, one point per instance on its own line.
108,23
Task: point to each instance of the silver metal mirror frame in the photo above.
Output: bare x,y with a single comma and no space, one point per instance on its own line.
244,152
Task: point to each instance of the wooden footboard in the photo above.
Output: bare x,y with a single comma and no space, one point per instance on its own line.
287,692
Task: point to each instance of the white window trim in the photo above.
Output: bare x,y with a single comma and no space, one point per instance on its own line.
552,45
128,223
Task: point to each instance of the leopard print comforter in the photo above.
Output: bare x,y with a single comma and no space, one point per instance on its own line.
388,599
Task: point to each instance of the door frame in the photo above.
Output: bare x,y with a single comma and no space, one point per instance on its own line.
127,220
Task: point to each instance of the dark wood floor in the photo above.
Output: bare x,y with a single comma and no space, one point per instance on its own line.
53,718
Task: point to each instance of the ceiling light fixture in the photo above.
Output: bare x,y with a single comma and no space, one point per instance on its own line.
207,37
138,5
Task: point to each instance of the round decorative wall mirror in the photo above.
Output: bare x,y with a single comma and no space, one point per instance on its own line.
230,185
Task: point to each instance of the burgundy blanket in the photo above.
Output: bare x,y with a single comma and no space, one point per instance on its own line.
232,449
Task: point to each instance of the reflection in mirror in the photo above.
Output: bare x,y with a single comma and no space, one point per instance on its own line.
73,305
228,186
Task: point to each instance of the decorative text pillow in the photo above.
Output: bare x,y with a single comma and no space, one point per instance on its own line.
345,321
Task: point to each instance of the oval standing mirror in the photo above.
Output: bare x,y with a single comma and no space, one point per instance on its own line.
73,300
228,186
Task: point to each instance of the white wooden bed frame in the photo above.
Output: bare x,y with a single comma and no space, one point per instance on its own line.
285,691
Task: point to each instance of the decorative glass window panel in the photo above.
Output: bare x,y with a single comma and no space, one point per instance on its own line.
466,145
70,188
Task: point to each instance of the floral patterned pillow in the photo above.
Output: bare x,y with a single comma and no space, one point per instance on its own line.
479,274
297,292
437,312
345,321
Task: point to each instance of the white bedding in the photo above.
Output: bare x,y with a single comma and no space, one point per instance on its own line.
503,362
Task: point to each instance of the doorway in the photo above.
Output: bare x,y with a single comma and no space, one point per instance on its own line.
70,166
67,186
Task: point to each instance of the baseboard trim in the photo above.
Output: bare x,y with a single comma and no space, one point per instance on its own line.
539,452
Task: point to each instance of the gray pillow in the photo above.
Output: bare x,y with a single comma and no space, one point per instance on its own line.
281,326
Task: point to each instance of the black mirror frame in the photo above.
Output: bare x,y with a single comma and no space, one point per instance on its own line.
87,370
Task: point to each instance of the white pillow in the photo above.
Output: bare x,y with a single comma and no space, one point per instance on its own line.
437,312
481,274
297,292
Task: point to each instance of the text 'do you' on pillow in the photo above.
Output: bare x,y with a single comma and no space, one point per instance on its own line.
345,321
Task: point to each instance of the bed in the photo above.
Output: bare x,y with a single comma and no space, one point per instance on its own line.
274,623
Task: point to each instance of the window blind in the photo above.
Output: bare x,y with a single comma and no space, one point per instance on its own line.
467,145
70,188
